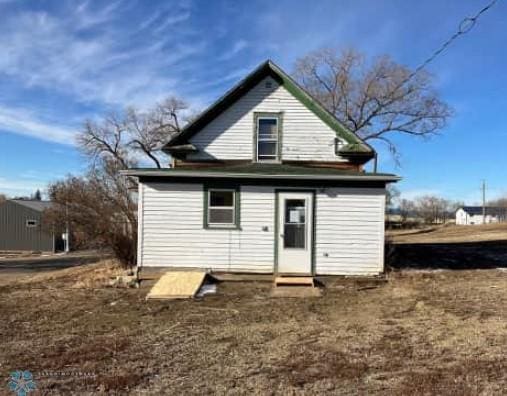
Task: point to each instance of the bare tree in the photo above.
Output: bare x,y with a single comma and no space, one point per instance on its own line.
373,99
392,196
133,134
433,209
150,130
102,204
407,209
500,202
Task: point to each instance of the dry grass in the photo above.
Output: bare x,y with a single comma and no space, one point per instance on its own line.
88,276
451,234
419,334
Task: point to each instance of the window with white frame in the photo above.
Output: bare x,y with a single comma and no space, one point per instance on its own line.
221,208
268,128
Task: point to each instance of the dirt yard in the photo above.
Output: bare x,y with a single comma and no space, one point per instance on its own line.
421,333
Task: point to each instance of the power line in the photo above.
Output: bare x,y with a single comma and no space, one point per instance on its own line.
464,27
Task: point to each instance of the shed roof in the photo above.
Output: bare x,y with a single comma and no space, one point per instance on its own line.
264,171
39,206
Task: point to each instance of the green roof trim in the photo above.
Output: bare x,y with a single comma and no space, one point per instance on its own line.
354,148
318,109
268,68
263,171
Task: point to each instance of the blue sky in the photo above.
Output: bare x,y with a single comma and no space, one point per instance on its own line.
64,61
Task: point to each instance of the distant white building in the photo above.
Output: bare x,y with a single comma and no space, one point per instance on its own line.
470,215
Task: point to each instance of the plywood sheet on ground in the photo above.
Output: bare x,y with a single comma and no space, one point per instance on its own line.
177,284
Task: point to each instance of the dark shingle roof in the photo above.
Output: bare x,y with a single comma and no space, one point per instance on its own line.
39,206
490,210
263,171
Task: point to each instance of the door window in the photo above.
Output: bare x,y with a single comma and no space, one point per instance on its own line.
295,224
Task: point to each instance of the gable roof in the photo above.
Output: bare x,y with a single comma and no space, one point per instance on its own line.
38,206
490,210
354,146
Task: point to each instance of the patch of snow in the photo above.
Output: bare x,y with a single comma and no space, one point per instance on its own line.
425,271
207,288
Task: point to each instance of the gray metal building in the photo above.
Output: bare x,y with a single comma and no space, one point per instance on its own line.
21,227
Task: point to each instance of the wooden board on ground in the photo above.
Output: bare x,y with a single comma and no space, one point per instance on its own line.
177,284
294,281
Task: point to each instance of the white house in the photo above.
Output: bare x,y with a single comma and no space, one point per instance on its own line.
470,215
264,181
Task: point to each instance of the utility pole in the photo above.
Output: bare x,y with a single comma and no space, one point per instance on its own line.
67,235
484,202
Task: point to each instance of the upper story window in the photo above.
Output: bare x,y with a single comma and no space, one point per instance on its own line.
267,137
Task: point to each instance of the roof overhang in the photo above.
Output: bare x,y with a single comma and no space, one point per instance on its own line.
174,173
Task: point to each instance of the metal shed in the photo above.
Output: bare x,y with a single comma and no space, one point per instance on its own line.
21,227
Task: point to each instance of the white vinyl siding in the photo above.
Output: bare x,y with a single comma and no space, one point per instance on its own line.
230,136
349,234
350,231
173,233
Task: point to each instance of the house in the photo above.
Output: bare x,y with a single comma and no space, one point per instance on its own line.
265,181
22,228
469,215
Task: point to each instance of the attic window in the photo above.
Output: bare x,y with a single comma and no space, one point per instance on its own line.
30,223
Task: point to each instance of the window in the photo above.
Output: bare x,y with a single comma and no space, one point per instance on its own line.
31,223
295,224
222,208
267,134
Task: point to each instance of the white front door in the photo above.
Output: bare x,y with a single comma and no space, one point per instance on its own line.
295,232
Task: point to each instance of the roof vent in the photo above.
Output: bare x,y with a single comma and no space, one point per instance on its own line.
269,84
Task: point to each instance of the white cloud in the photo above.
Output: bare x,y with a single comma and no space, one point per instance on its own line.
237,47
171,20
84,53
234,76
20,187
88,17
26,123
